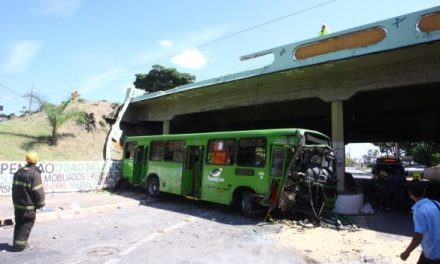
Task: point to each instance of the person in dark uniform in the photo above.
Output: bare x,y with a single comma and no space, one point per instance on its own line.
27,196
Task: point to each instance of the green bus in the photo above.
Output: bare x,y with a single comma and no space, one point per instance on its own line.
250,169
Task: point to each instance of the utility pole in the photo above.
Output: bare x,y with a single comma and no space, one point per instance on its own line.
30,99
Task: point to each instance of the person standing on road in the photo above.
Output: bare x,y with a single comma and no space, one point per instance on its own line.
27,196
426,216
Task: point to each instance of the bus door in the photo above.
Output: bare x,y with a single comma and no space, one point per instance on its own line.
127,163
140,163
192,173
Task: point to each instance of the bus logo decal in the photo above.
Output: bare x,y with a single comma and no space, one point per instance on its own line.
214,175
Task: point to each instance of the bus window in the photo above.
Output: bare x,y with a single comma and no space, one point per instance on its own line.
221,151
174,150
129,151
278,155
316,139
251,152
156,150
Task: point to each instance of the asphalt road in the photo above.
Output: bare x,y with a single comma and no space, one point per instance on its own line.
167,230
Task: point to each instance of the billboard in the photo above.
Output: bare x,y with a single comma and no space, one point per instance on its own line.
66,176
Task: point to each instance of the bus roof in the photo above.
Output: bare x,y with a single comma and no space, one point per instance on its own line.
260,132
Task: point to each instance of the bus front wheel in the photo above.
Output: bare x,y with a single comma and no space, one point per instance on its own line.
247,206
153,187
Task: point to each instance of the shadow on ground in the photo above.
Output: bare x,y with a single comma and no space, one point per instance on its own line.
391,222
216,212
37,140
6,247
394,222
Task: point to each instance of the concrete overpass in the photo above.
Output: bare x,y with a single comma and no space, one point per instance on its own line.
377,82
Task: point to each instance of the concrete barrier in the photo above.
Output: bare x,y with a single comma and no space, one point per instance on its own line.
349,203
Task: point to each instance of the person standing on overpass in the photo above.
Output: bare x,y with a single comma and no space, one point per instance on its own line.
324,30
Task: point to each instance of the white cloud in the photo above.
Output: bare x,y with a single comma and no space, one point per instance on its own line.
62,8
190,40
21,56
190,58
166,43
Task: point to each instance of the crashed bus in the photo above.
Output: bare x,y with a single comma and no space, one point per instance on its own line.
271,168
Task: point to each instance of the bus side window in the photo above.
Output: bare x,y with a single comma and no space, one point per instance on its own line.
251,152
174,150
221,151
129,151
278,156
156,150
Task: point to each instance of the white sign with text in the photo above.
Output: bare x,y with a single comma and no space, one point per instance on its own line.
66,176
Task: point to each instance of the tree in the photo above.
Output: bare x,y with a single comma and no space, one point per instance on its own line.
57,115
371,156
427,153
390,149
161,78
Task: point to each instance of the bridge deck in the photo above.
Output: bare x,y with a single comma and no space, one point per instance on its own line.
417,28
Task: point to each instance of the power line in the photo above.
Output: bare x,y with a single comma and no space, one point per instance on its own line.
20,101
215,40
266,23
8,89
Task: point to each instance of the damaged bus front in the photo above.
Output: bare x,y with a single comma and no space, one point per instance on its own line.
308,182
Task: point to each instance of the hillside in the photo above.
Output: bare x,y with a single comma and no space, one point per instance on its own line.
19,135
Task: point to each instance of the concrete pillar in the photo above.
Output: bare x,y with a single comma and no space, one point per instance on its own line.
166,127
338,141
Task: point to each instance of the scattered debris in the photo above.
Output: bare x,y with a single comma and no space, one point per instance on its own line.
327,220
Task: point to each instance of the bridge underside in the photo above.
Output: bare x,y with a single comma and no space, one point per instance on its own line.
410,113
400,114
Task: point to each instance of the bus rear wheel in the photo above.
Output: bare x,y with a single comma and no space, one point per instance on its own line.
153,187
247,205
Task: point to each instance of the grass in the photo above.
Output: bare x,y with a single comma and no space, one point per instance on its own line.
20,135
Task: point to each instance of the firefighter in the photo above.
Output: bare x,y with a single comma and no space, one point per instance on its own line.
27,196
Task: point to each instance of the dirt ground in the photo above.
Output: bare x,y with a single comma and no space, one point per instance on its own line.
380,239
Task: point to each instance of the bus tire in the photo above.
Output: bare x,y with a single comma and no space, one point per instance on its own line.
247,205
153,187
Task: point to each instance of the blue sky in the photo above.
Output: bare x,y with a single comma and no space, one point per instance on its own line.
97,46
